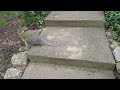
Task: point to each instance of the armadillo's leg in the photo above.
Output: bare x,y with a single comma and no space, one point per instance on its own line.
28,46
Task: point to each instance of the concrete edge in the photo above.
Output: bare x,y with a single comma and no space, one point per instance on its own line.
82,63
84,23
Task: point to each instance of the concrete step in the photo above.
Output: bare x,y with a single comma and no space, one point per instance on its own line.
87,47
51,71
75,18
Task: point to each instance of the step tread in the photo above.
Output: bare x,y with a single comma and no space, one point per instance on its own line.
75,15
86,44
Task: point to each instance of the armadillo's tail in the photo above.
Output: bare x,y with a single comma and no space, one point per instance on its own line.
46,42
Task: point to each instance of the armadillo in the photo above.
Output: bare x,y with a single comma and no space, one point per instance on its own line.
38,40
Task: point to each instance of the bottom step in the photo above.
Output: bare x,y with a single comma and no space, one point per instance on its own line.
51,71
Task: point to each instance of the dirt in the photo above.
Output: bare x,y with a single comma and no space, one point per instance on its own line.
9,44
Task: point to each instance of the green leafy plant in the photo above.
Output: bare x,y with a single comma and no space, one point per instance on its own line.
31,20
3,17
35,19
113,22
1,67
3,22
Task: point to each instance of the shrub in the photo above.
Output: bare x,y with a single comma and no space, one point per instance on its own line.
35,19
113,22
31,19
3,17
3,22
1,67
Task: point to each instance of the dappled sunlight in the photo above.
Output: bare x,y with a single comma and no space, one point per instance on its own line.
50,37
76,42
72,49
56,16
74,52
62,36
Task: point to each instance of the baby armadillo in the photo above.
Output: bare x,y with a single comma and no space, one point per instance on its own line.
38,40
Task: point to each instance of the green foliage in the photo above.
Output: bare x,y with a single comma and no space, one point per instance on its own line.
35,19
21,25
113,22
3,17
30,20
3,22
1,67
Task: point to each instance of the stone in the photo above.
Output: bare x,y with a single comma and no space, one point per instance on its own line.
19,59
110,40
116,53
116,73
114,44
109,34
52,71
118,66
13,73
22,49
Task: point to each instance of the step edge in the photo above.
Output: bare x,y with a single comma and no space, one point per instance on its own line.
75,62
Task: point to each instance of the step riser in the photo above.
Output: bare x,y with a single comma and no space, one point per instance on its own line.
75,23
52,71
81,63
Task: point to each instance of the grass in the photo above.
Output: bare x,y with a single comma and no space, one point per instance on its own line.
113,24
3,17
1,67
35,19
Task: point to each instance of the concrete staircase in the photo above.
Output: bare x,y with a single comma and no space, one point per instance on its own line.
79,41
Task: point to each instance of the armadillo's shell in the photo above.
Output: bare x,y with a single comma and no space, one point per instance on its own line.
35,40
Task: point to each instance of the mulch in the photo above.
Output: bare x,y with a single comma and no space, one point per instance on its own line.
9,43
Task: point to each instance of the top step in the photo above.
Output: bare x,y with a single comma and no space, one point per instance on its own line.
75,18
